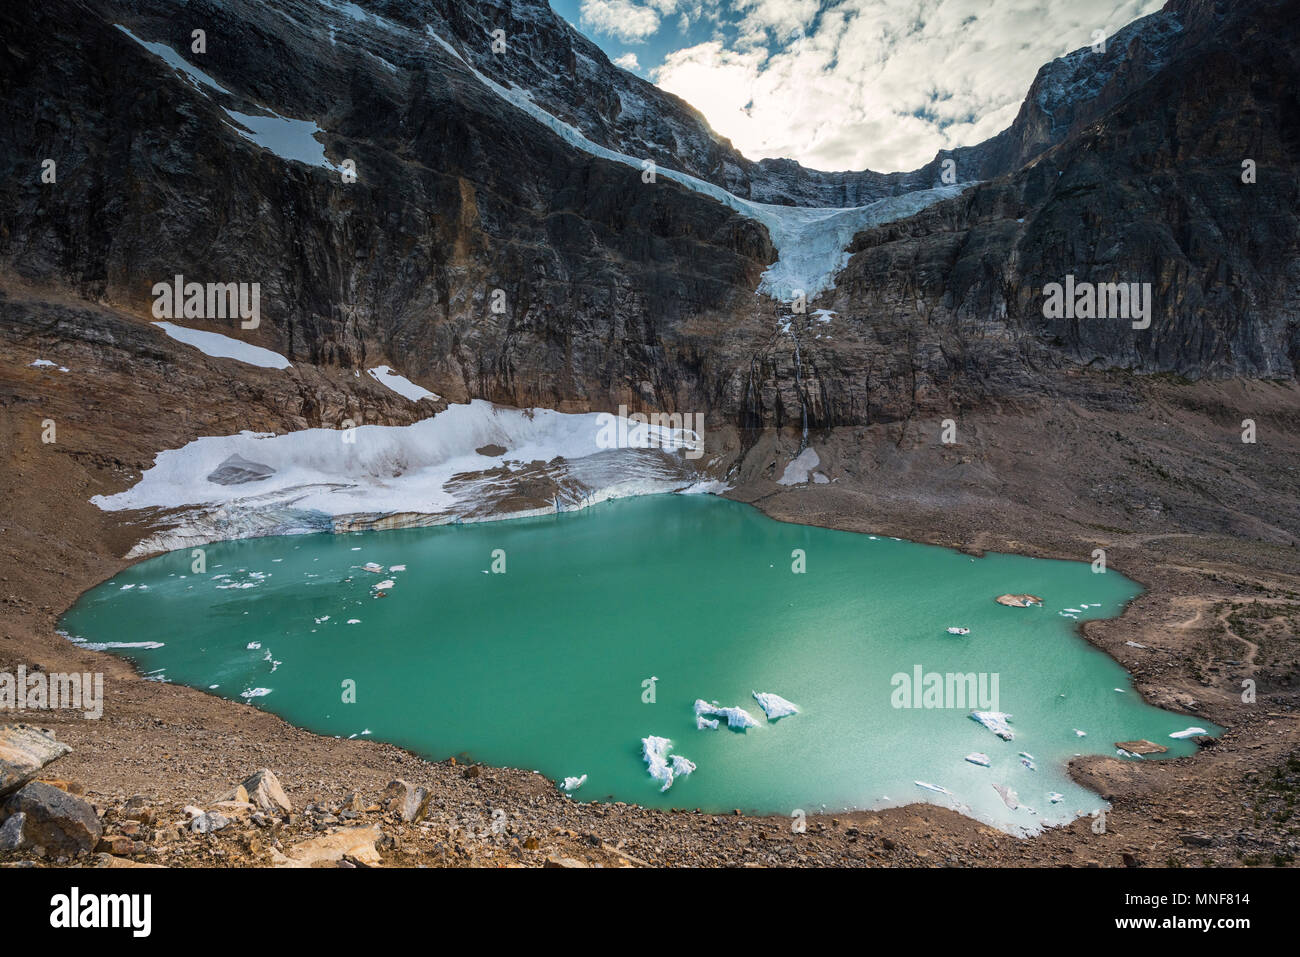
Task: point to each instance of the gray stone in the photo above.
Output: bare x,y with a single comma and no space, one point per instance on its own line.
208,822
11,832
59,822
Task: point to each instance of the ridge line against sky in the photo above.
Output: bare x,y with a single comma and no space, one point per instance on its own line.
848,84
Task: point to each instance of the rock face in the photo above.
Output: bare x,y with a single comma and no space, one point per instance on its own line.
54,820
482,254
24,750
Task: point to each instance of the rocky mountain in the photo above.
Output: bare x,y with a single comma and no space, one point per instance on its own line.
503,238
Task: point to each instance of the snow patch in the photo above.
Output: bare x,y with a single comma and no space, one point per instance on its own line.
224,347
401,385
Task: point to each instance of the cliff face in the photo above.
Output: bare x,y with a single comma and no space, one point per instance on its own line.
482,253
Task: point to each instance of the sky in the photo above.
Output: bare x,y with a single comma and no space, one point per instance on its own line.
847,84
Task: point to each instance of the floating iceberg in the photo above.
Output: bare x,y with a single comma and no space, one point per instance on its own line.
703,723
958,631
654,751
995,721
774,706
932,787
1189,733
736,717
572,784
978,757
1009,796
1056,797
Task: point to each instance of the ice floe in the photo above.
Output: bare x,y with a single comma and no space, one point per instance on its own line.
995,721
572,784
932,787
736,717
1188,733
956,630
654,751
774,706
979,758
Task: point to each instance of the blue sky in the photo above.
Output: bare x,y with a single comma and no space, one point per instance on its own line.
847,84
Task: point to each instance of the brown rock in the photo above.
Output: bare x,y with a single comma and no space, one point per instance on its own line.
24,750
263,789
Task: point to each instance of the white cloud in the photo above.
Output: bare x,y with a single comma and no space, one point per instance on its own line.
628,61
880,84
628,21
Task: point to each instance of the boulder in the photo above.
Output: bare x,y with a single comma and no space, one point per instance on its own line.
357,844
208,822
264,791
411,803
54,820
24,750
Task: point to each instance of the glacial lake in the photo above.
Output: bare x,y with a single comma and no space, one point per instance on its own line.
545,662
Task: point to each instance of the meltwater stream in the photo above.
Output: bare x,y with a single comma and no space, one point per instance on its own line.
530,643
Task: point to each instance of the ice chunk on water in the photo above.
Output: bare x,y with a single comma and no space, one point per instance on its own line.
774,706
702,723
995,721
736,717
1009,796
654,751
1188,733
978,757
932,787
572,784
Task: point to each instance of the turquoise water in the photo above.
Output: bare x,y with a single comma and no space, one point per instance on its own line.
545,664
